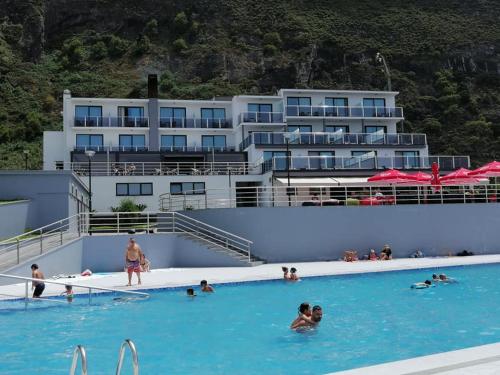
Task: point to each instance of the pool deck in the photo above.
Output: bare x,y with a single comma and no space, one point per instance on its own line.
177,277
481,360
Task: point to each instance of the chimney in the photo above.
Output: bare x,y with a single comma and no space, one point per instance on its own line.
152,86
153,112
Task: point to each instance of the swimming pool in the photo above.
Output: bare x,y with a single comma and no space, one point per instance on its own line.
243,328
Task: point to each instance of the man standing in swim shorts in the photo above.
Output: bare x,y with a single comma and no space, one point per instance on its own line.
38,286
133,261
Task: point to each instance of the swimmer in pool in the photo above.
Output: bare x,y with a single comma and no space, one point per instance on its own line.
293,274
445,279
68,293
206,287
286,275
190,292
306,318
425,284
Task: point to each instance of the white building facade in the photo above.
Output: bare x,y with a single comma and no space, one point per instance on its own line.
148,147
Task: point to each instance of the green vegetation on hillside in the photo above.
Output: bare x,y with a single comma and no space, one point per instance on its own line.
444,58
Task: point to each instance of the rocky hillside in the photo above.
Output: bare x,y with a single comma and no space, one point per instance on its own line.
444,57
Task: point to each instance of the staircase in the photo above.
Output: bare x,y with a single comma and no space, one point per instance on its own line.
211,237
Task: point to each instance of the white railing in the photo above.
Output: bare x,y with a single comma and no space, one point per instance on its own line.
367,161
163,168
135,359
89,288
338,138
374,195
107,121
336,111
261,117
79,352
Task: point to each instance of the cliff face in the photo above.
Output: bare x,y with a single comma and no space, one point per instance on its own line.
444,57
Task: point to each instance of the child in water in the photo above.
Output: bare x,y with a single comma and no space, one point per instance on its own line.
68,293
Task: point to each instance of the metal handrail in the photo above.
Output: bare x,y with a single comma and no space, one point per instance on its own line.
89,287
79,352
135,359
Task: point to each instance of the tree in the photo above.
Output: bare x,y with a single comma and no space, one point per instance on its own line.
117,46
128,205
181,23
151,28
179,45
98,51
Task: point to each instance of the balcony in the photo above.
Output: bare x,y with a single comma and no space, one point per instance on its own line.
111,122
344,112
194,123
111,148
334,139
368,162
196,149
261,117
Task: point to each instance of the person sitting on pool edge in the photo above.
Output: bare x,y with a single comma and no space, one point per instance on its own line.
386,253
425,284
286,275
190,292
372,255
206,287
313,321
293,274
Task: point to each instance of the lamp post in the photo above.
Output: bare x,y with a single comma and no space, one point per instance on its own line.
90,154
381,59
287,139
26,153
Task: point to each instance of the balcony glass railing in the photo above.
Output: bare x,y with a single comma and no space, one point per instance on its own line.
180,122
120,122
327,111
111,148
322,139
261,117
195,149
325,163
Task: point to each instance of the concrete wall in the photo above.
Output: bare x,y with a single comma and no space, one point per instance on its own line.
13,218
323,233
52,194
65,260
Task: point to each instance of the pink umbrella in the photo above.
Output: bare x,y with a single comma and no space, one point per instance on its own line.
392,176
460,177
488,170
422,177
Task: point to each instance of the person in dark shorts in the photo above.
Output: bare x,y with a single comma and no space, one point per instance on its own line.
38,286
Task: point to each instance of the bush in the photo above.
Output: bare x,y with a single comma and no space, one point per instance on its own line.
167,81
180,45
272,38
73,51
151,28
181,23
117,46
128,205
98,51
142,45
270,50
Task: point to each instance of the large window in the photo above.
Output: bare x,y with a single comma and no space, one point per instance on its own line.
374,107
322,159
336,107
132,142
134,189
407,159
188,188
298,106
173,117
213,117
300,128
89,141
86,115
173,142
336,128
259,113
130,112
213,142
131,117
280,162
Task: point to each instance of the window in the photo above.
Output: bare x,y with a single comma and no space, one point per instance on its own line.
374,107
88,115
89,141
375,134
130,112
259,113
300,128
336,128
217,142
131,117
407,159
134,189
375,129
298,106
322,159
173,142
171,117
132,142
279,164
188,188
213,117
336,107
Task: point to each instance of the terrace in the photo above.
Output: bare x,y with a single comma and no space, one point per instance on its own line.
111,122
344,112
337,139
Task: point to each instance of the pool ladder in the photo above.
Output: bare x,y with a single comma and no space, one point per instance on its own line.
80,352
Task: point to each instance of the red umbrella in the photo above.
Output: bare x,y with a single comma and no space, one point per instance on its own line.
460,177
392,176
422,177
488,170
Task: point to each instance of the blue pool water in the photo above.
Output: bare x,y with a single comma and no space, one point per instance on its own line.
243,328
